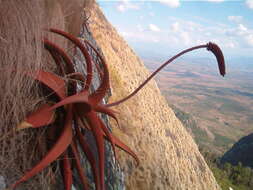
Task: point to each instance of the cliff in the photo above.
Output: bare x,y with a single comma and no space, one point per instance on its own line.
240,152
169,157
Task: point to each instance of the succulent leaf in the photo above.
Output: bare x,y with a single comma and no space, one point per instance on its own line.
77,98
67,172
94,123
41,117
79,167
52,47
59,147
51,80
84,51
87,151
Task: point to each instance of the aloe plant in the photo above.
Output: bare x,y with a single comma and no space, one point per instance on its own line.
81,110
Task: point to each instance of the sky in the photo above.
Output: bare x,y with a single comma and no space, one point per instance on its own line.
168,26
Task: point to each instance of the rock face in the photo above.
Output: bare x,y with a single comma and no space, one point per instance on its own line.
240,152
169,157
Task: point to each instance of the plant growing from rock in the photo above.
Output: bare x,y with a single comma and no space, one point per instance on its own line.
69,112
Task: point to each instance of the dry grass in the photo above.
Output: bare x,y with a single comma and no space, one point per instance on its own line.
21,25
21,49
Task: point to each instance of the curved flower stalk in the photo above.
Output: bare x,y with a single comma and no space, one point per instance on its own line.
80,110
209,46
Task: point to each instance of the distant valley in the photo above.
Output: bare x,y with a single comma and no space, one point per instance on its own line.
219,110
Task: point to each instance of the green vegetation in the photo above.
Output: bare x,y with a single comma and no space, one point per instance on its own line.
238,177
199,134
221,140
231,105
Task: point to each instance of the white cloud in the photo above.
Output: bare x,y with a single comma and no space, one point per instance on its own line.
140,28
154,28
230,45
155,40
239,31
151,14
125,34
121,8
249,3
241,34
170,3
141,17
175,27
249,40
126,5
242,28
189,33
216,1
182,33
185,38
236,19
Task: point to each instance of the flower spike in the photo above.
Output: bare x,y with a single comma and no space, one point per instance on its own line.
210,46
215,49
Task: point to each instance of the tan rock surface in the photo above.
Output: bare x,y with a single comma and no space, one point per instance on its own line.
169,157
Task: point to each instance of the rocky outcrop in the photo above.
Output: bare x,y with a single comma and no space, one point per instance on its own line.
241,151
169,157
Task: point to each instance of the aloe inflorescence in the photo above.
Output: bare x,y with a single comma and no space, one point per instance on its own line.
80,109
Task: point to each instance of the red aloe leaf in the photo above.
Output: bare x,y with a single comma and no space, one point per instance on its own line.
100,92
77,76
84,52
105,110
98,55
51,46
41,117
51,80
67,172
77,98
109,137
83,123
94,123
59,147
78,166
89,155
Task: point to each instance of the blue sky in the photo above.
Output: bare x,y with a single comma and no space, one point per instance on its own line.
168,26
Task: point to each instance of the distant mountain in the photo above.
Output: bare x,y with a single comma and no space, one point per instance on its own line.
240,152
